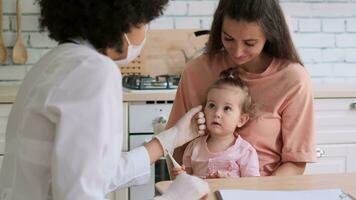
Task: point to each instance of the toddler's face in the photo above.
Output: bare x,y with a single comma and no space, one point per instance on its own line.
223,110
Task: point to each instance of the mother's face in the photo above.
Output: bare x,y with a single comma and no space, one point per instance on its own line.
244,41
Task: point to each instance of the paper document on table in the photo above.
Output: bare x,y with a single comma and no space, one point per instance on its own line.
321,194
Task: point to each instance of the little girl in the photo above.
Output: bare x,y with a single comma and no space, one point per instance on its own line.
223,153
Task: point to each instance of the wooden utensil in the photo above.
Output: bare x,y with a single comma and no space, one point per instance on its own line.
19,53
3,50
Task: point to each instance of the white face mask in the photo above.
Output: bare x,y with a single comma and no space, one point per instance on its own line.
132,51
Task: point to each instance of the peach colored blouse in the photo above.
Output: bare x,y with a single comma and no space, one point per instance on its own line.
284,129
239,160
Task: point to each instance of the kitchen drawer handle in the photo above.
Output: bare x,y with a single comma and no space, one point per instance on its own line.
320,153
353,105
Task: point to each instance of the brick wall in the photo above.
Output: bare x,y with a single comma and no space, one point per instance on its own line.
324,32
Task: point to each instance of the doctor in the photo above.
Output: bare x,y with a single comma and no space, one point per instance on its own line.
65,131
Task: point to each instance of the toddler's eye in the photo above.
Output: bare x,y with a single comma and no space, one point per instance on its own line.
210,105
227,108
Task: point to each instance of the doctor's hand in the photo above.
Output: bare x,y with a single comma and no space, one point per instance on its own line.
186,187
190,126
176,171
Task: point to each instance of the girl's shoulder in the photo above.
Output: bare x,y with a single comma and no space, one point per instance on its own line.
243,144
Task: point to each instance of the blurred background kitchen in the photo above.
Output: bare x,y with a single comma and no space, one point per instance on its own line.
324,32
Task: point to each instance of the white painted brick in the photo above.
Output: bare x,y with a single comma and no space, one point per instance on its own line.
350,55
12,72
319,70
41,40
333,25
206,22
176,8
310,55
201,8
322,9
351,25
35,54
29,23
328,55
346,40
345,69
187,22
293,25
28,68
311,0
10,38
8,57
6,22
162,23
329,80
333,55
309,25
350,80
314,40
27,6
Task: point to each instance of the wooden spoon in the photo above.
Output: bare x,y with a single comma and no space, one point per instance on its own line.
3,52
19,53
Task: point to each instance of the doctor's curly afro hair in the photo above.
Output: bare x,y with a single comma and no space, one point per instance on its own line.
102,22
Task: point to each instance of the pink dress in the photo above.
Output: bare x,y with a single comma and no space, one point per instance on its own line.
239,160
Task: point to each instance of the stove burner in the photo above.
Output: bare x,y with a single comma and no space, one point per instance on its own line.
139,82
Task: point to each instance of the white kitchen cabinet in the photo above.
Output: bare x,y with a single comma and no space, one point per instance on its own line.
1,158
337,158
4,114
335,121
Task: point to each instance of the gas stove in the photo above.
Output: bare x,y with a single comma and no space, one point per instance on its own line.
161,82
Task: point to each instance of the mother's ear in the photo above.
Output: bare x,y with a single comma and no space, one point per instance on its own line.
244,117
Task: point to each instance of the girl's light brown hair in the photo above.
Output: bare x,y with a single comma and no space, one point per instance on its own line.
230,77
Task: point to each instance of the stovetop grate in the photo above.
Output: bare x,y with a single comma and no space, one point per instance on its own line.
140,82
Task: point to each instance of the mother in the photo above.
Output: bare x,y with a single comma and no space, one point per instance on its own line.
253,37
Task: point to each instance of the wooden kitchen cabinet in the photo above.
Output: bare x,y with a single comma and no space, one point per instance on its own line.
335,121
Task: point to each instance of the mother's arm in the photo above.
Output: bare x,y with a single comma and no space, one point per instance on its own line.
290,169
298,131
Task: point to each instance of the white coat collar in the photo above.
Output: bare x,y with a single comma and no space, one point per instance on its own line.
82,41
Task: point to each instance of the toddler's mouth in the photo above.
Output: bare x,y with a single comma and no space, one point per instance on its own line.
215,123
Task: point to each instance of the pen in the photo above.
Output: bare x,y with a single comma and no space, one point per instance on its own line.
174,162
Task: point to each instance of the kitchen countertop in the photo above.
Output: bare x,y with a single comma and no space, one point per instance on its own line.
8,94
321,90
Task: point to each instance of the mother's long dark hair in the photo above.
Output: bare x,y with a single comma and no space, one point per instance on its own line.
268,14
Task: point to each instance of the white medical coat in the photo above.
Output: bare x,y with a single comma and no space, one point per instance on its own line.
65,131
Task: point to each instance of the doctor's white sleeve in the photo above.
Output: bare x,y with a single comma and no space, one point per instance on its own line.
87,162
